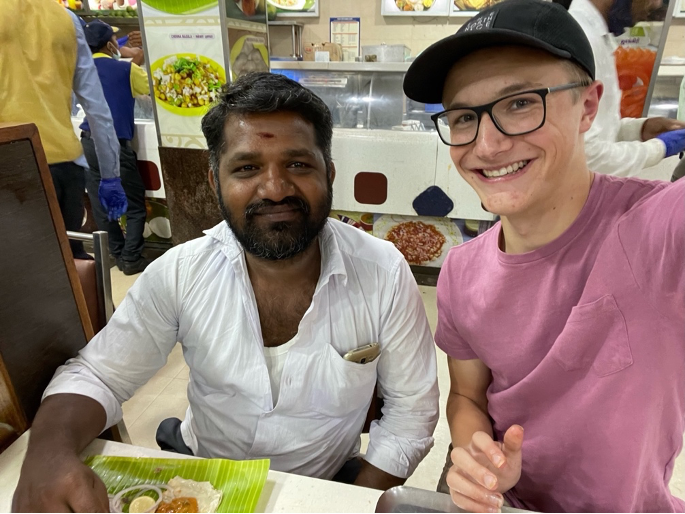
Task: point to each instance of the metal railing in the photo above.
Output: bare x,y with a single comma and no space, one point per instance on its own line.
103,279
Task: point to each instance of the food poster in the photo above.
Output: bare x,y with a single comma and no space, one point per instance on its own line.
461,7
415,7
157,225
113,5
637,46
247,10
423,240
186,63
249,52
299,8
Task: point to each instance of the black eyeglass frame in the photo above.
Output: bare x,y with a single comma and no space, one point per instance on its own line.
480,109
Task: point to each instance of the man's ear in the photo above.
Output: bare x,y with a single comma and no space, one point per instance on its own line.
590,99
332,172
212,183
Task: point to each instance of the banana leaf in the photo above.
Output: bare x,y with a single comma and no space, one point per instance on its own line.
240,481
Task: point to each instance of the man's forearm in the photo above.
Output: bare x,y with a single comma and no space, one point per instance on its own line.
465,418
66,422
372,477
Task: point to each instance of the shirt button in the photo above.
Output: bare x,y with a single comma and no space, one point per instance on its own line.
288,381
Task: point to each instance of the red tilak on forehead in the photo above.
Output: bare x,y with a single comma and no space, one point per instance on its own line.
265,135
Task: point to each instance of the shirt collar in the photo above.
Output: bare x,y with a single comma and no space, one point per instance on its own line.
100,54
332,262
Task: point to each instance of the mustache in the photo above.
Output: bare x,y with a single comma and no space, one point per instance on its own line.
291,201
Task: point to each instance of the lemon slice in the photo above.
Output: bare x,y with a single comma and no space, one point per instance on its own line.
141,504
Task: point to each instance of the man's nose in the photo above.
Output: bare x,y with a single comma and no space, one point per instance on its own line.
490,141
276,184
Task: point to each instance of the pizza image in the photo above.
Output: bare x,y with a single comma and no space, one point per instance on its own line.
419,242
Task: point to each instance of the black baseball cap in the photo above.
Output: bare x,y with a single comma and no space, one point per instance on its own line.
98,34
533,23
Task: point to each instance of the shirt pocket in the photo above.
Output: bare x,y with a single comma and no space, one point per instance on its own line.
595,336
341,387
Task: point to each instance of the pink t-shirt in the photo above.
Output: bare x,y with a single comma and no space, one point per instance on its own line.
585,338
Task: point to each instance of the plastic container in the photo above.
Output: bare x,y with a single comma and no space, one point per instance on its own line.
386,53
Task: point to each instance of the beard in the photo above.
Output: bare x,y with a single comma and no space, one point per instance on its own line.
282,239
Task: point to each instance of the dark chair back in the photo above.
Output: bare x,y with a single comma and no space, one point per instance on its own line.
44,319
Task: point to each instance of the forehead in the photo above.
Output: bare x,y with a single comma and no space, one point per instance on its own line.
277,128
481,74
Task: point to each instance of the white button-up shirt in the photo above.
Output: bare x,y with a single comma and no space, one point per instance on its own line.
612,145
199,293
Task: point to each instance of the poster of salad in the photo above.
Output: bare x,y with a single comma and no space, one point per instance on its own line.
415,7
186,64
469,7
285,8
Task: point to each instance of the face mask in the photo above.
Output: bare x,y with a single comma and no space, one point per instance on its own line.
116,55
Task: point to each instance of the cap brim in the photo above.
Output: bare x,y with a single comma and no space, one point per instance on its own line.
425,79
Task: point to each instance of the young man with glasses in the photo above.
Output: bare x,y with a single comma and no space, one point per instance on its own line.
567,319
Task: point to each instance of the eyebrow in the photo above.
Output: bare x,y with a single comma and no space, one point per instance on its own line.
290,154
510,89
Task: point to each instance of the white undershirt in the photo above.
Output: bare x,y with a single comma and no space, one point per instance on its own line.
275,362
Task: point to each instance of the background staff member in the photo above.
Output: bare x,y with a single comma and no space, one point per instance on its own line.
615,145
43,57
121,81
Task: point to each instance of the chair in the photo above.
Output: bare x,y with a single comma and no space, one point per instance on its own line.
95,278
43,312
96,283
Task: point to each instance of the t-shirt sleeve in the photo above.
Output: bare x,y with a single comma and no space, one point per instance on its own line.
653,239
139,83
447,335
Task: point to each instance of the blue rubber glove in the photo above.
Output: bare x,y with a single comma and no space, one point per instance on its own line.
112,197
674,141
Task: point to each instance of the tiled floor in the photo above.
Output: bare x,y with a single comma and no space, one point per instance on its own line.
165,396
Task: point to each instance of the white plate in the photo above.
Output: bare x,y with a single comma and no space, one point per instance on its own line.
445,226
297,7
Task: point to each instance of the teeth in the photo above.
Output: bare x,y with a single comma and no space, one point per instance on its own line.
512,168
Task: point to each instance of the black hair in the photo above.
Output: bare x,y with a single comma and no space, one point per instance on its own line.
263,92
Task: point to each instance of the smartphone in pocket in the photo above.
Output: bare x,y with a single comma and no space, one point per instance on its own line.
364,354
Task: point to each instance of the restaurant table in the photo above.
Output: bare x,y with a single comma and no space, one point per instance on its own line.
283,492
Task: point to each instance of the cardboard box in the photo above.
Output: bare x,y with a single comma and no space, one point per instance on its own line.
334,50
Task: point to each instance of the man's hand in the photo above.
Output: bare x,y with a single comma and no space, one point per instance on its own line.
484,469
135,40
113,197
674,141
58,483
136,55
652,127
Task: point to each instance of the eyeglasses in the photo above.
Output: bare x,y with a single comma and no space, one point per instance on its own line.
513,115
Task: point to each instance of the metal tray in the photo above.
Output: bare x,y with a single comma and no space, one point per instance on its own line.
410,499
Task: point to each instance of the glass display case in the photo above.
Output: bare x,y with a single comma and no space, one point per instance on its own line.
359,95
664,101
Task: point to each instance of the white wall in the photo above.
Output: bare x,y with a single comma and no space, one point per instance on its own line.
416,33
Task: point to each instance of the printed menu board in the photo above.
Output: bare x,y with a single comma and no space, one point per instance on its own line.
415,7
186,63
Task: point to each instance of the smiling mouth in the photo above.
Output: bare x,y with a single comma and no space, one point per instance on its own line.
510,169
